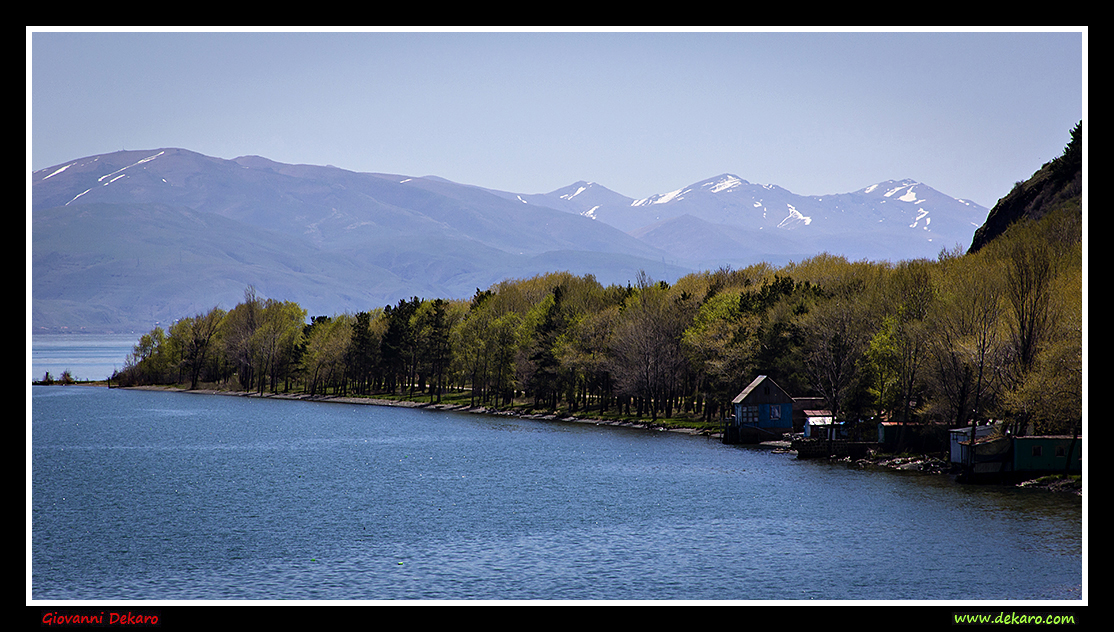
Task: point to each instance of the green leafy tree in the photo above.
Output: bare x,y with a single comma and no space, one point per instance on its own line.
721,344
364,350
326,349
399,345
544,371
470,344
504,343
899,348
883,360
237,334
433,326
275,340
195,338
582,352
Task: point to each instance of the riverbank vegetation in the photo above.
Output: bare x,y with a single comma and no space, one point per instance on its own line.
993,333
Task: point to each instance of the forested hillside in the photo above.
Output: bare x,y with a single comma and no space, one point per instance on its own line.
992,333
1057,183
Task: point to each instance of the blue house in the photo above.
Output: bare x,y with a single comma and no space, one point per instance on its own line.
763,411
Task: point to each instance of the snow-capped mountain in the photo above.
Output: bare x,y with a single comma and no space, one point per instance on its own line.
890,220
582,198
124,239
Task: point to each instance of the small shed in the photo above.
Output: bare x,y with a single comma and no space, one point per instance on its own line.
820,424
1047,454
800,405
764,405
960,440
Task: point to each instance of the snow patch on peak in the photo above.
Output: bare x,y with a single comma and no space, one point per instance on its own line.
591,213
908,196
661,199
672,195
921,214
725,183
60,170
137,163
78,195
795,218
569,196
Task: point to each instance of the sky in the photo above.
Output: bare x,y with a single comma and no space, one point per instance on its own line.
968,113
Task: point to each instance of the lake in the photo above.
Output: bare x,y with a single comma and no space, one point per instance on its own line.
147,495
85,356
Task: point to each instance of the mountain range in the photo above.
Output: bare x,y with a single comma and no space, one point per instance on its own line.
126,240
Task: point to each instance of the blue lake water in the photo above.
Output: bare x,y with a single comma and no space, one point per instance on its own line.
85,356
174,496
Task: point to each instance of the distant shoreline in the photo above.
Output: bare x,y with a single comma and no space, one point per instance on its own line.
476,410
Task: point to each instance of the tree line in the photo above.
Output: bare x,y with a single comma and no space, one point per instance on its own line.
965,337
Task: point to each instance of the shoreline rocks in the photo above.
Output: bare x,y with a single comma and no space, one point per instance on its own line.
1055,483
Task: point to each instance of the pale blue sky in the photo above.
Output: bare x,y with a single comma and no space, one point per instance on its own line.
968,113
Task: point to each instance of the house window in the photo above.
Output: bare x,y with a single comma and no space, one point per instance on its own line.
775,412
1036,450
1060,451
749,415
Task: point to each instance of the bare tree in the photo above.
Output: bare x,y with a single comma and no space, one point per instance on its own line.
913,292
1028,292
836,335
966,349
647,355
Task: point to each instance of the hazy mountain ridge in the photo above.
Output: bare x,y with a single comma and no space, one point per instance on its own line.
127,238
333,240
323,203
